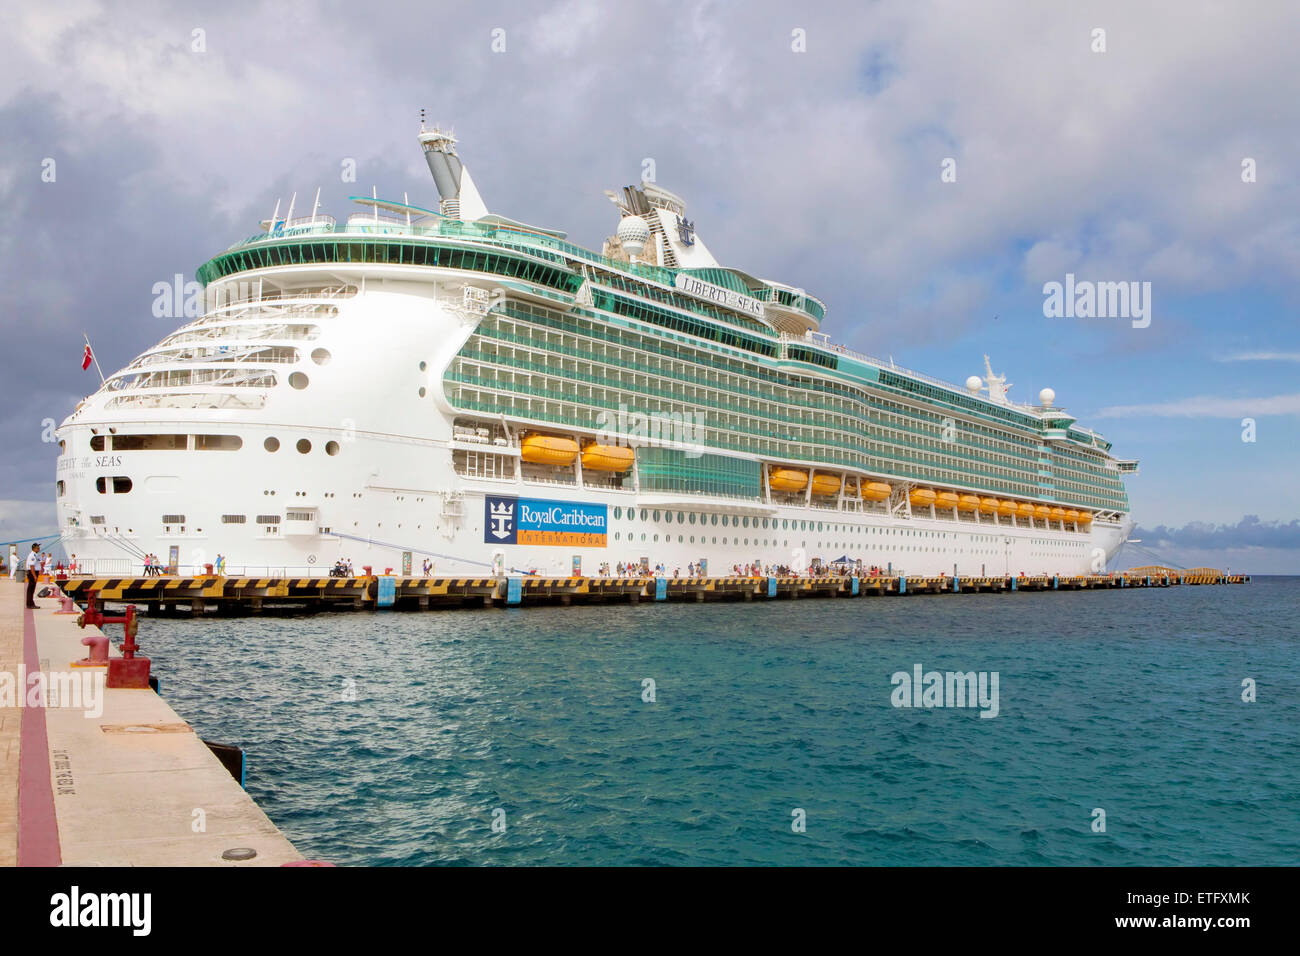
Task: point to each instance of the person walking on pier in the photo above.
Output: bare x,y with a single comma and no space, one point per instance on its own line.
33,569
14,561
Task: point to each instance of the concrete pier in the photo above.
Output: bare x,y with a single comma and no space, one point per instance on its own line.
254,595
107,777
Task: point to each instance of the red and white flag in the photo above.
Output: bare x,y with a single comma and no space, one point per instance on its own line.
87,358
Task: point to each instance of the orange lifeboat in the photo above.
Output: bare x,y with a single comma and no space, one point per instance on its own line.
607,458
876,491
1042,512
1085,517
1057,514
787,479
968,503
825,485
1025,509
1071,515
1006,508
989,506
548,450
946,500
922,497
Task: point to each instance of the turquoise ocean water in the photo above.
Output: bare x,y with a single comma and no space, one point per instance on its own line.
1129,702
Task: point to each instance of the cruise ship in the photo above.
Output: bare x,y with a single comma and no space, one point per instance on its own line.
452,389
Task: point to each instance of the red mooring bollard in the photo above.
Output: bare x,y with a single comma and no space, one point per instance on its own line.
98,645
127,671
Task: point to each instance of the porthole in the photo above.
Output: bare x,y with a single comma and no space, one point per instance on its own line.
331,448
422,391
320,356
423,366
618,513
656,519
303,446
298,380
692,521
668,516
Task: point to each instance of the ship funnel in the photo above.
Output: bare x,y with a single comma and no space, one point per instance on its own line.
460,199
440,153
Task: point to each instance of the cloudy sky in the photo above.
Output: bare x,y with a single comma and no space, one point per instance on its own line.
810,145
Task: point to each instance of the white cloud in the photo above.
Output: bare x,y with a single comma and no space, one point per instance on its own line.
1208,406
1260,357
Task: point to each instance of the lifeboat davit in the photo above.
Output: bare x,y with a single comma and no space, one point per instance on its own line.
1025,509
922,497
607,458
1085,517
946,500
1006,508
876,491
826,484
1071,515
1042,512
989,506
968,503
787,479
548,450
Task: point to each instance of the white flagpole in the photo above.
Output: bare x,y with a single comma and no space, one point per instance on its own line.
94,358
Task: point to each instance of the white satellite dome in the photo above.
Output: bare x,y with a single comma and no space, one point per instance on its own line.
1046,397
634,233
974,383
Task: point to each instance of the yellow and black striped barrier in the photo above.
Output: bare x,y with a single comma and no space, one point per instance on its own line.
170,594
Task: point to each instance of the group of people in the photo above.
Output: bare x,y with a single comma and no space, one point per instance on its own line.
152,566
342,568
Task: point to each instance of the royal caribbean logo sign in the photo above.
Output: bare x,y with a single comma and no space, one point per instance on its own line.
511,520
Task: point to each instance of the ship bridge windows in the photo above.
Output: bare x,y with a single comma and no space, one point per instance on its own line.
150,442
218,443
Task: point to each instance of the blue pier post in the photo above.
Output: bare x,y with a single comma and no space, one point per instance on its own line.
956,584
1055,581
386,595
1013,585
902,584
1123,581
771,587
514,590
1148,580
854,586
661,589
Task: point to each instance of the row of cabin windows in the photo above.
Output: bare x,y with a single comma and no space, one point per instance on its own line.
165,442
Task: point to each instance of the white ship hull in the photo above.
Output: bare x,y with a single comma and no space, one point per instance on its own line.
391,489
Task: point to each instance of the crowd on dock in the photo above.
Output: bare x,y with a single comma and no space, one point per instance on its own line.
816,569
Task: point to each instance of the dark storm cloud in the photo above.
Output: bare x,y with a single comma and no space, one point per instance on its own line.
1249,532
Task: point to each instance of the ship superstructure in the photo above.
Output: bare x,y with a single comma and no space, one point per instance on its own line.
452,385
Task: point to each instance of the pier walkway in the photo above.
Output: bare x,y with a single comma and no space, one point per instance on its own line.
96,776
197,595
